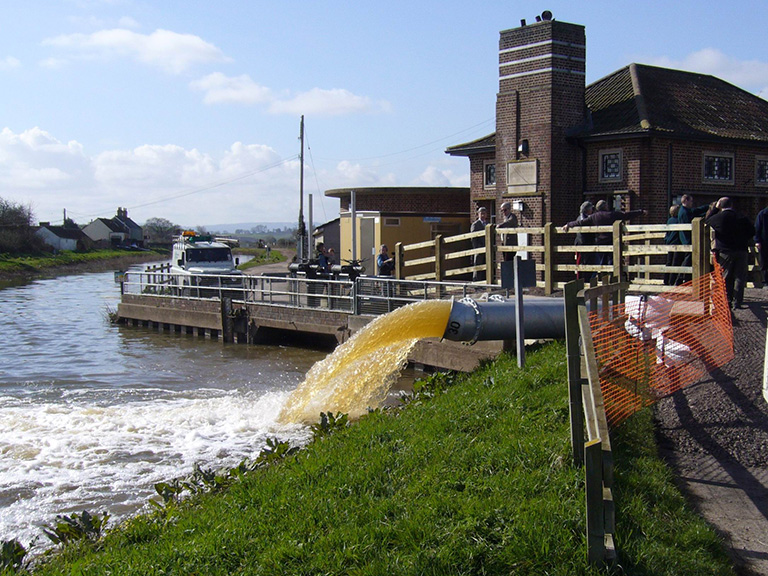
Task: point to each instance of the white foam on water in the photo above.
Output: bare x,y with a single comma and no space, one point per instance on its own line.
72,455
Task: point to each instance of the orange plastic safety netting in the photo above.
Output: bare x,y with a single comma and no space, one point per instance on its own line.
654,345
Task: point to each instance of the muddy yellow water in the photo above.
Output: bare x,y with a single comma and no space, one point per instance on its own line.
358,374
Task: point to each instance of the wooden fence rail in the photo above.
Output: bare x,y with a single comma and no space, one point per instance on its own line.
638,252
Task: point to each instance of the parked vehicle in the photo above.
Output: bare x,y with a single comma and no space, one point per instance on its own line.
203,266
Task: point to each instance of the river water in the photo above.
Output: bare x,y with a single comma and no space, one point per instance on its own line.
94,414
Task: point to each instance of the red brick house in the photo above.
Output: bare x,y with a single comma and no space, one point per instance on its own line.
639,138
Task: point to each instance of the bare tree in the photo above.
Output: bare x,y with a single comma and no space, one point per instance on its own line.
17,233
161,231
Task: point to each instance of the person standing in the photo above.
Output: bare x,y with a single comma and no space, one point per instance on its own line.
385,262
603,216
733,235
323,266
685,215
761,239
479,242
510,221
672,238
585,239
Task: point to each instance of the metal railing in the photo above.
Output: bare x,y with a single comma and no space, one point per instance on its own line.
371,295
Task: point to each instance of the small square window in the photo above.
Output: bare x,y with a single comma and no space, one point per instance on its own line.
610,165
761,171
718,167
490,174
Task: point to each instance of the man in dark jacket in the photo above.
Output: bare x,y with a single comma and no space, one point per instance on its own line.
733,235
603,216
761,239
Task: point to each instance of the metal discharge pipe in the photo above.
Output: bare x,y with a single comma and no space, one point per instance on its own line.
471,321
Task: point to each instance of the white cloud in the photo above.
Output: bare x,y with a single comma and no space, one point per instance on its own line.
53,63
751,75
434,176
35,160
9,62
190,187
318,101
352,174
127,22
170,51
220,89
245,182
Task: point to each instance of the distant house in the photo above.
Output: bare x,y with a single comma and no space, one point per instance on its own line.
117,231
135,232
61,238
106,232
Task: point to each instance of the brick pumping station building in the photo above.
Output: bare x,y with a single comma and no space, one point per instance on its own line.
638,138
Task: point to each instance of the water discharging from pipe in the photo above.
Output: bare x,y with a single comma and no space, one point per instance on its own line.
359,373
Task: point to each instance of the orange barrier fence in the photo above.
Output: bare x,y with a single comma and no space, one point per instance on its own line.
651,346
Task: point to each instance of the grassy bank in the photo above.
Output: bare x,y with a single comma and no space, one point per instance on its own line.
260,257
474,480
41,264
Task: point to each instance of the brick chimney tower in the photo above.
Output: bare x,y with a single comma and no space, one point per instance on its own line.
542,69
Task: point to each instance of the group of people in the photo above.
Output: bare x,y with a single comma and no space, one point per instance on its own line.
509,220
732,235
326,257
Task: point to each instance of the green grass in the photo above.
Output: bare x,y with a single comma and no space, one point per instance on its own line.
40,262
259,257
476,480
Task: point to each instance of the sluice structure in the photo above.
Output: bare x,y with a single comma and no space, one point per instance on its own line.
265,307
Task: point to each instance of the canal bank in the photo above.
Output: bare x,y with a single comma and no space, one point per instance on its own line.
18,270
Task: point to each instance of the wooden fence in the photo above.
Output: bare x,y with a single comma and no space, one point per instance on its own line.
590,438
638,251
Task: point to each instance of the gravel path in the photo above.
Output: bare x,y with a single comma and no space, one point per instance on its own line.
714,434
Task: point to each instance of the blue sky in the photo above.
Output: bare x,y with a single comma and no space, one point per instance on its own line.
189,110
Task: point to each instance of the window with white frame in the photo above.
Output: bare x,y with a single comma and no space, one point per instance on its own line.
610,165
718,167
761,170
489,172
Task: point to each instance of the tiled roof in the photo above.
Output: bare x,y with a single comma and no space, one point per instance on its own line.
648,99
113,224
127,222
484,144
62,232
644,100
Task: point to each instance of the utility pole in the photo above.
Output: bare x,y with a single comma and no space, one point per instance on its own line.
301,248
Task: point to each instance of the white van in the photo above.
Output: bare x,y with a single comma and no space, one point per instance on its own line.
199,261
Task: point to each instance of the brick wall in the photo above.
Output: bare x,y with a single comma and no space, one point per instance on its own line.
657,170
541,98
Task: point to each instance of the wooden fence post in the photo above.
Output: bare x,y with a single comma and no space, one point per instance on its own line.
439,258
699,248
399,261
593,464
618,265
549,258
490,252
575,380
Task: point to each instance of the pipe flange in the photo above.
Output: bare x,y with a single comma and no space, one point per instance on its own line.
478,317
